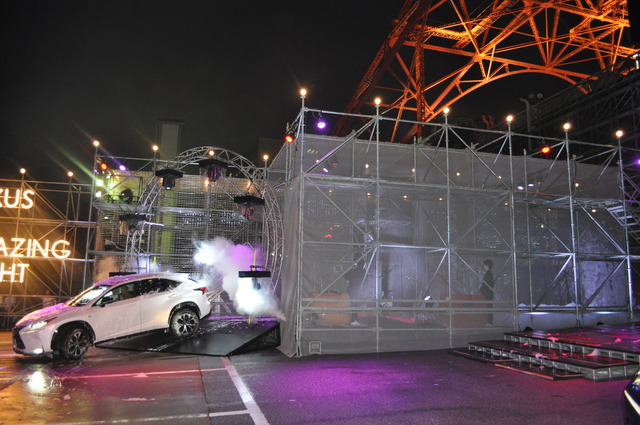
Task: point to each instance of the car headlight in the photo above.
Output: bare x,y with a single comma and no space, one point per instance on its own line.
41,323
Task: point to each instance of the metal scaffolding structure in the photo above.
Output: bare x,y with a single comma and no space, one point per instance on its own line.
40,222
386,242
156,216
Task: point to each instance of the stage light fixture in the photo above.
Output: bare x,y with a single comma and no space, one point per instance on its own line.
131,223
122,167
289,138
213,168
546,149
321,124
248,202
256,276
168,177
102,166
509,118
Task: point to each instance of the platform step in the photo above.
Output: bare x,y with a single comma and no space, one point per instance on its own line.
588,365
480,356
540,371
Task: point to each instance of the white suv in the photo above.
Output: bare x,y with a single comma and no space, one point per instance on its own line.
113,308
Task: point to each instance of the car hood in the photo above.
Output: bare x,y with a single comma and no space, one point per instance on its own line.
45,313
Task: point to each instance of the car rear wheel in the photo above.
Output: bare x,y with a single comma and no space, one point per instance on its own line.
184,323
73,343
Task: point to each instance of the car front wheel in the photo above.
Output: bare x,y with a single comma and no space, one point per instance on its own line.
184,323
74,343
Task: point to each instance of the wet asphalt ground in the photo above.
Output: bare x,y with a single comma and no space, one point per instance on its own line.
128,387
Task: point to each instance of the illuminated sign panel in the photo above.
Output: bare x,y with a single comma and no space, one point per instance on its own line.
16,198
19,249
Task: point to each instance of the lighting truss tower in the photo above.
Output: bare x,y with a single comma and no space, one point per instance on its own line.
481,42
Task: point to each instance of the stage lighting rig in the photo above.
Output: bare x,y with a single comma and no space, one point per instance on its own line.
213,168
248,203
168,177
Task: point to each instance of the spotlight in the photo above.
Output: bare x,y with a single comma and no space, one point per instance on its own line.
248,202
546,149
102,166
122,167
214,168
321,124
289,138
169,177
131,223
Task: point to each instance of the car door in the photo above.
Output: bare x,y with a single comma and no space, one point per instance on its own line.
116,313
156,301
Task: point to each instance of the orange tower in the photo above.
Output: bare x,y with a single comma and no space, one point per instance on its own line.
438,51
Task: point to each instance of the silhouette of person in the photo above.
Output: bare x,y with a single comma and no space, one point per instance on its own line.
486,289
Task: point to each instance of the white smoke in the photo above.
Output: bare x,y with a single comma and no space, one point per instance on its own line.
223,257
104,267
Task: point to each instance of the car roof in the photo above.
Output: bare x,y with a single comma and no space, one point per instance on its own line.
116,280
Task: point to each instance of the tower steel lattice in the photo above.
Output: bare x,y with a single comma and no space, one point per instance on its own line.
440,51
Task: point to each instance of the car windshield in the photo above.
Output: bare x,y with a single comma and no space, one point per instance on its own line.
88,295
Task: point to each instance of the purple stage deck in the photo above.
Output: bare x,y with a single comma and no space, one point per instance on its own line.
623,338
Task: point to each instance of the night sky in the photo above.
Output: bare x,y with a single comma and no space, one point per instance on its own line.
74,71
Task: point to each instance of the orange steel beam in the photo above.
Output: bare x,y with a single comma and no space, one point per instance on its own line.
484,41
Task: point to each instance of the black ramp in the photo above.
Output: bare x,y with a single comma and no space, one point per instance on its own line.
216,337
240,339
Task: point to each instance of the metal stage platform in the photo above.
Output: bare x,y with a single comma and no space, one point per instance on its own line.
598,353
217,336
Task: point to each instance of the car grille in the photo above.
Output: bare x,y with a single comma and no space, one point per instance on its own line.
17,341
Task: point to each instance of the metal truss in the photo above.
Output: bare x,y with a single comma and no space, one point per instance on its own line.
158,215
56,214
482,42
